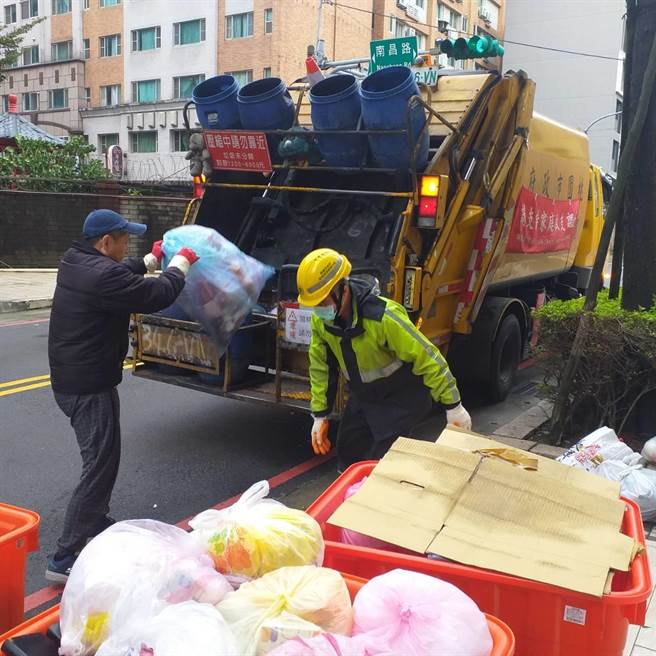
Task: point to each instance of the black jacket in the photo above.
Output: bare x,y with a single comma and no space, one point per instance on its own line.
90,316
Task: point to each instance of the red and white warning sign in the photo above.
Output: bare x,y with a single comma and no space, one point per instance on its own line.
297,325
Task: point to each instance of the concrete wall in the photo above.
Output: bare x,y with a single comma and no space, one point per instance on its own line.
572,89
36,228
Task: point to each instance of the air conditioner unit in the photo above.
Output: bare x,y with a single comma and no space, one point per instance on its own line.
401,4
412,11
484,14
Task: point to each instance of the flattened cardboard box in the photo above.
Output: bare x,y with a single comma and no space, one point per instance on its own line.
486,512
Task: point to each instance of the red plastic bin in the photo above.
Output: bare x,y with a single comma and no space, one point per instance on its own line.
19,534
503,641
547,620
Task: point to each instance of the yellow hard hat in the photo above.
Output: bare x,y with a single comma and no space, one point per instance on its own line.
318,273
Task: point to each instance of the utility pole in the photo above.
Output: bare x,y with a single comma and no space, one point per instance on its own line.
319,49
639,227
627,117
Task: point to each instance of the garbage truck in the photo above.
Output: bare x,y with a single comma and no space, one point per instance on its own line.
506,213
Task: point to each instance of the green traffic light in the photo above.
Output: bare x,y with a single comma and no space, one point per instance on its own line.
476,47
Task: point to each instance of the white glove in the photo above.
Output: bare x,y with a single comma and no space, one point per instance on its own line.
459,417
320,443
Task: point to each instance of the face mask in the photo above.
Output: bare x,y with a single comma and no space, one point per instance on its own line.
326,312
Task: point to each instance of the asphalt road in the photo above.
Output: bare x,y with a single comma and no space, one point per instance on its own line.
183,451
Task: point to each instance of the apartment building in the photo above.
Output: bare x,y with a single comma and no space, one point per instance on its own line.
121,71
573,89
49,77
262,38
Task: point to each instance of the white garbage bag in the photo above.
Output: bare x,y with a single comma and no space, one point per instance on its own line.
636,483
603,444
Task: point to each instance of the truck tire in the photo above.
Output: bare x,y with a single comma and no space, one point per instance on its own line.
506,355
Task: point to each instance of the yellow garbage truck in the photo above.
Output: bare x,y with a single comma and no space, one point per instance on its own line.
507,213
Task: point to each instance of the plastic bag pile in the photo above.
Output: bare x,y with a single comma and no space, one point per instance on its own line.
144,587
604,454
222,287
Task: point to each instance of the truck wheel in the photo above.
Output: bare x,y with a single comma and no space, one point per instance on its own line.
506,354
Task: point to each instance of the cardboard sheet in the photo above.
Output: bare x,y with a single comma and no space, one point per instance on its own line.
479,510
461,439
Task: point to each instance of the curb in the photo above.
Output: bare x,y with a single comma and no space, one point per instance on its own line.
23,306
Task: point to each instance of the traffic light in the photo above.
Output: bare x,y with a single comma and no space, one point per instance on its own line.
474,48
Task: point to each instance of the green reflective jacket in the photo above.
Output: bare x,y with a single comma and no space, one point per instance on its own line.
379,342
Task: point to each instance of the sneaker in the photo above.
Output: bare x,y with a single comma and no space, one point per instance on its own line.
59,568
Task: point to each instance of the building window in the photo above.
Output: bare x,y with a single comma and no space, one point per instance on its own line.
242,77
268,21
146,91
107,140
465,23
420,3
266,72
29,9
87,4
5,104
183,86
239,26
30,102
143,142
148,38
615,156
61,6
87,96
30,55
619,105
86,48
192,31
58,99
10,14
62,51
179,141
488,12
110,95
110,46
452,18
109,3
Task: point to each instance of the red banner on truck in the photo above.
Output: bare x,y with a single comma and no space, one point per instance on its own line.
238,151
541,224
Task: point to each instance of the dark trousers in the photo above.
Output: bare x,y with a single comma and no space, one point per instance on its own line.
355,439
95,420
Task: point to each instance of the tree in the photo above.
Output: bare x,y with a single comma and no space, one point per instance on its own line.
10,44
44,166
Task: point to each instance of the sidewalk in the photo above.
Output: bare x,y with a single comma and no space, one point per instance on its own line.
26,289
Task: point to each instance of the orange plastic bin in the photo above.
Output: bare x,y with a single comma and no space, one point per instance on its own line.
19,534
546,620
503,641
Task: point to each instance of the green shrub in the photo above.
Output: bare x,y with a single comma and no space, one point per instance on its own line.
617,366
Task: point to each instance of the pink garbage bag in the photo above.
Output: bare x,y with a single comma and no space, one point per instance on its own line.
415,615
329,644
359,539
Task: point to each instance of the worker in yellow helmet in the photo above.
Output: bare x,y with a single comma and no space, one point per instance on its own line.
394,373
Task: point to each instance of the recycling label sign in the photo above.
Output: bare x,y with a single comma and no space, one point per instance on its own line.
401,51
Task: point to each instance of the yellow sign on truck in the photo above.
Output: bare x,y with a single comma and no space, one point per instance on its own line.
507,212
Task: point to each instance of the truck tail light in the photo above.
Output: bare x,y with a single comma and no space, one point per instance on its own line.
432,201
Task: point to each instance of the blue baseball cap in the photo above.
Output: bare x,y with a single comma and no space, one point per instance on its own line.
102,222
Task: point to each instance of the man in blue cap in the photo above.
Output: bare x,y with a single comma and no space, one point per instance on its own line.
97,290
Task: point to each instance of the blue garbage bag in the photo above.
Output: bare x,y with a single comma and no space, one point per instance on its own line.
222,287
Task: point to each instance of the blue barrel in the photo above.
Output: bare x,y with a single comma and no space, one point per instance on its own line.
266,105
216,102
336,105
385,96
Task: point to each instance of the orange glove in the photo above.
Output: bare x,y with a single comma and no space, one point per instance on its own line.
320,443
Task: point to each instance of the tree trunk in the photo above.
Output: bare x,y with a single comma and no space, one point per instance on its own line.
639,285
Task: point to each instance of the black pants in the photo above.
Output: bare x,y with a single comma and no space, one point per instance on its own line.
95,420
355,439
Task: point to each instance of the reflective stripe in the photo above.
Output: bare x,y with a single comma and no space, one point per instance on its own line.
428,347
334,270
383,372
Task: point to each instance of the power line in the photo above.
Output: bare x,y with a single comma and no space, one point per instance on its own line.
515,43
